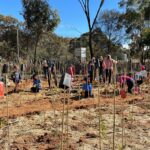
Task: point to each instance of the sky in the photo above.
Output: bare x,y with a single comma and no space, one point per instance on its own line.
73,22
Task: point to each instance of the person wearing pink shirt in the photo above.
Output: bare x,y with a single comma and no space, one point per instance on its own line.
128,80
108,63
71,70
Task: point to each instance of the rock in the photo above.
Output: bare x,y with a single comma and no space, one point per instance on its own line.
74,118
91,135
81,140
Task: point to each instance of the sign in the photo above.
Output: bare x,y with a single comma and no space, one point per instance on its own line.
67,80
81,53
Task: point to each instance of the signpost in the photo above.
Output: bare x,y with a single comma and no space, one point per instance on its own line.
81,54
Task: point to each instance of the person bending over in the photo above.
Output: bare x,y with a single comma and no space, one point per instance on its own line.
127,80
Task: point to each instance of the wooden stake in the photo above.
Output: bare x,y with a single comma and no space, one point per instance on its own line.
8,131
114,109
67,121
63,112
99,107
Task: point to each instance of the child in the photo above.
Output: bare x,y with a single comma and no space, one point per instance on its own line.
16,77
128,80
36,84
87,88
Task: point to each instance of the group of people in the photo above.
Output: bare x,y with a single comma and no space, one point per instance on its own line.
101,69
16,78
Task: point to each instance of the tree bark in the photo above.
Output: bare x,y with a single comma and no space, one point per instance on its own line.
35,52
85,4
90,45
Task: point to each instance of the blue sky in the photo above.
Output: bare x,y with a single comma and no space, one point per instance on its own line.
73,21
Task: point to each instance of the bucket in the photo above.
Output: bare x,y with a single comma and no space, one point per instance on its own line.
123,93
1,89
136,90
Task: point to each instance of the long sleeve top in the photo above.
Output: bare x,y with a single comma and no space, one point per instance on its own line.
87,87
108,63
37,83
124,79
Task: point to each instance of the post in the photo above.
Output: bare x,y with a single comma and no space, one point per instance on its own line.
114,109
18,51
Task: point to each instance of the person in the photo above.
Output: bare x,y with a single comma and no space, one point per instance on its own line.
45,69
108,66
36,84
128,80
5,68
141,76
91,68
101,69
16,77
71,70
87,88
51,71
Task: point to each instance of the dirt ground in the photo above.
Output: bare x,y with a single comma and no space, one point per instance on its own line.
34,121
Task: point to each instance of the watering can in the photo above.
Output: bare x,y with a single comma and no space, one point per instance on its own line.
123,93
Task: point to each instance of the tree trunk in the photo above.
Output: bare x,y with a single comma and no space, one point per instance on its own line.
35,52
90,44
108,50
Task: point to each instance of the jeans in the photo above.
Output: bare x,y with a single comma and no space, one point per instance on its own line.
108,74
130,85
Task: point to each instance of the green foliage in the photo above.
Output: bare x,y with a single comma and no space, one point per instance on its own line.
2,122
39,18
103,128
133,20
8,43
146,36
109,23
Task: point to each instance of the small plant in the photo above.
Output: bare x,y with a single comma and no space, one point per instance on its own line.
2,122
120,147
103,128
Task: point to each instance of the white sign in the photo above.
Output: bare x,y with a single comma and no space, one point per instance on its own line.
67,80
81,53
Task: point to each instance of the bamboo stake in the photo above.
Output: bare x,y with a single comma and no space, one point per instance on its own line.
122,115
114,110
100,144
63,115
8,130
67,121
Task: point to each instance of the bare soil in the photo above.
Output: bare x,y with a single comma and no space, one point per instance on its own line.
35,120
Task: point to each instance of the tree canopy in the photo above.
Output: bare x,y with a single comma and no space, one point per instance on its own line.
39,18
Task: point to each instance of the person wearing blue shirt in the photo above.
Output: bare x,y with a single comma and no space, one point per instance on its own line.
16,77
36,84
87,88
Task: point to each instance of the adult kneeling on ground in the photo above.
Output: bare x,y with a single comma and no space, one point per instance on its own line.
36,84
